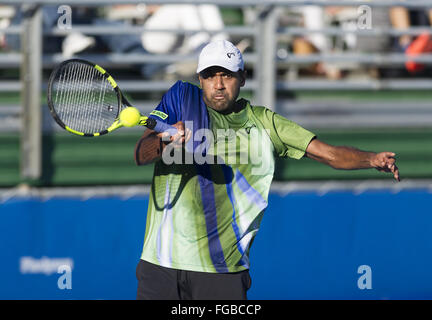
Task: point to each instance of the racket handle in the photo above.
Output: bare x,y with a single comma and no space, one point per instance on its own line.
160,126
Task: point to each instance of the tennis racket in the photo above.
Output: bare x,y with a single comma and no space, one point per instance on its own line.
85,100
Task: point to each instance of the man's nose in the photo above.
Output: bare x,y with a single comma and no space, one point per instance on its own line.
219,84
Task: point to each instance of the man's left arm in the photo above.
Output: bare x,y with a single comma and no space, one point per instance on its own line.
349,158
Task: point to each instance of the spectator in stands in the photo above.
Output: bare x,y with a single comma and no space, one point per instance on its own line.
70,45
375,44
182,17
403,18
347,19
76,42
49,19
316,18
6,14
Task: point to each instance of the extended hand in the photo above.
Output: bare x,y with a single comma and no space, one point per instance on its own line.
386,162
182,135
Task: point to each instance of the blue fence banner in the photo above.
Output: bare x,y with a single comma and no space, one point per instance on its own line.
337,245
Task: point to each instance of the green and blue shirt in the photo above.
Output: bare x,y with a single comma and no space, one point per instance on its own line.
203,216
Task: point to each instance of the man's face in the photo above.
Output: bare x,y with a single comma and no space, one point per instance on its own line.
221,88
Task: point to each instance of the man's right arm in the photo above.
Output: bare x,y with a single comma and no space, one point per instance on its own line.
150,146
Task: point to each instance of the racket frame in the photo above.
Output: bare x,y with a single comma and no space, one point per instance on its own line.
121,99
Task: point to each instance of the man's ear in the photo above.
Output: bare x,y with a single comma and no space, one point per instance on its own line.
243,75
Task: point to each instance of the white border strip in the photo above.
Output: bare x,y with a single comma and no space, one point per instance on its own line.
83,193
356,186
281,188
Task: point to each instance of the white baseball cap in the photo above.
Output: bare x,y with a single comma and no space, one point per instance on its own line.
220,53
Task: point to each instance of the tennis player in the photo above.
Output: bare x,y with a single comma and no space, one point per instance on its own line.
202,217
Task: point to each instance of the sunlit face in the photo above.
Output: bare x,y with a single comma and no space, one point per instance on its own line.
221,88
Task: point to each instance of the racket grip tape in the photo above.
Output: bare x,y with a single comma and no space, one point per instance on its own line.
160,126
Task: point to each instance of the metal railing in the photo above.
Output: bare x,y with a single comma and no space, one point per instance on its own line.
263,60
231,3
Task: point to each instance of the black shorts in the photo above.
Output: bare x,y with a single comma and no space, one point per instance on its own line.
160,283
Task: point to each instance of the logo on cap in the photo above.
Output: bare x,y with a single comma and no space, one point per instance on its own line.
230,54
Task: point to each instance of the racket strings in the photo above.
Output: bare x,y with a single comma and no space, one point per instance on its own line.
83,99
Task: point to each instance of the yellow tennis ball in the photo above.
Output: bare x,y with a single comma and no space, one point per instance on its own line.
130,117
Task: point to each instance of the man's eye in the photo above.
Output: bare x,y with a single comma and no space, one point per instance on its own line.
227,75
